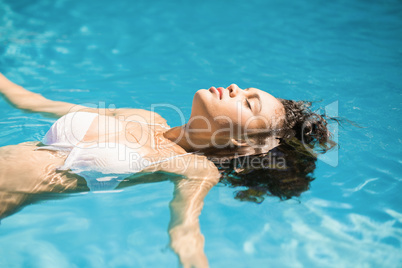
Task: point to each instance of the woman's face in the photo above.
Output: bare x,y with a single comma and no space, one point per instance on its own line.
234,111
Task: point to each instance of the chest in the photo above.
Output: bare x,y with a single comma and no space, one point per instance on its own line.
144,138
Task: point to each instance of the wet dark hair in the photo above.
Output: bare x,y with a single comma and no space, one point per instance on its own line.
284,172
287,170
311,128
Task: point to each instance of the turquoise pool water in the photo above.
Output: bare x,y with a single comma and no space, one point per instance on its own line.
140,53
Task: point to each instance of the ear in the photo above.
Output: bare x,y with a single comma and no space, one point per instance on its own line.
238,142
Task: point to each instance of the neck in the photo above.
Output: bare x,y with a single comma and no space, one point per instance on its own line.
178,136
186,139
191,143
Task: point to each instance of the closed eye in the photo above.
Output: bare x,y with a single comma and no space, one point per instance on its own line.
247,103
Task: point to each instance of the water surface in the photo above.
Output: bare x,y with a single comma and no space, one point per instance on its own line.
136,54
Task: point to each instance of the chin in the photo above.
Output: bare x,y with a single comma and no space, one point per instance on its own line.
201,98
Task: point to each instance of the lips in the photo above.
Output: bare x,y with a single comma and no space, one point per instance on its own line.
218,91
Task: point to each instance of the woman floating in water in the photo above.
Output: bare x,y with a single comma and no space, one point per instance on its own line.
232,136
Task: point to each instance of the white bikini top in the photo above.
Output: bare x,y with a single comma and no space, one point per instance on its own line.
103,165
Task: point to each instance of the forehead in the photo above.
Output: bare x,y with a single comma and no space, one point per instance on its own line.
267,100
272,110
264,94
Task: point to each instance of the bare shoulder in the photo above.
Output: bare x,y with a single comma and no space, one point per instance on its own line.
191,166
200,166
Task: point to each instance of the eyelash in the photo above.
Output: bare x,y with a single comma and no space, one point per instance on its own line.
247,103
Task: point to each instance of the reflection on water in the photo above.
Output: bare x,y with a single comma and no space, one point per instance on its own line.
345,51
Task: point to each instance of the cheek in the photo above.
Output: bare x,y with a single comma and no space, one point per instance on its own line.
230,115
220,114
256,123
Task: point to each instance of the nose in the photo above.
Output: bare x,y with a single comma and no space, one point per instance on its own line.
233,90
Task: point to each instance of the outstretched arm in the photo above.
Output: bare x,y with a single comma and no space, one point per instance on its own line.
27,100
184,227
33,102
